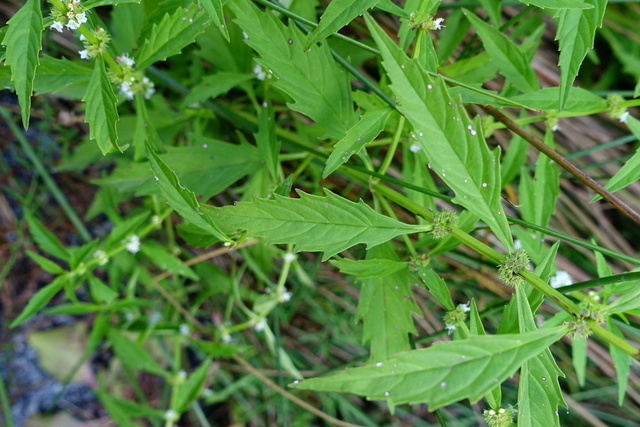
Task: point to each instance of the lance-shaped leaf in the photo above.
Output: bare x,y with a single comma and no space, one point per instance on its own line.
24,41
362,133
328,224
385,308
180,198
558,4
312,78
101,110
509,59
89,4
444,373
454,144
576,31
369,268
174,32
338,14
214,9
40,299
539,394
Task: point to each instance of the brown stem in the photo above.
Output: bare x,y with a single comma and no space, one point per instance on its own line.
564,163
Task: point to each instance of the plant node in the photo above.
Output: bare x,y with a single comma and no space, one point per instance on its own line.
443,221
578,328
509,270
500,418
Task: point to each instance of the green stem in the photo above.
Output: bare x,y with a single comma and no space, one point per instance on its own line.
611,338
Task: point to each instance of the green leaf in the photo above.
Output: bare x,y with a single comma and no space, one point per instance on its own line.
266,139
385,308
493,9
444,373
362,133
190,390
539,394
454,144
579,356
437,287
172,34
576,32
23,42
180,198
369,268
124,229
45,264
509,59
144,131
215,85
132,354
215,11
47,241
319,88
338,14
206,168
101,110
630,171
558,4
39,300
90,4
328,224
100,292
621,361
159,255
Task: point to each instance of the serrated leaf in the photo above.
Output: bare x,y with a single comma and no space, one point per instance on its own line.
312,78
101,111
90,4
23,41
454,144
510,60
539,394
630,171
362,133
436,286
558,4
215,85
173,33
39,300
132,354
180,198
369,268
338,14
575,34
216,12
206,168
47,241
328,224
385,308
444,373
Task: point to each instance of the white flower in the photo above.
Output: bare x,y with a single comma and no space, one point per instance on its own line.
126,60
257,70
623,117
289,257
437,24
101,256
260,325
73,24
133,244
81,17
561,278
517,244
184,330
82,38
154,318
414,148
150,91
125,88
57,25
84,54
171,415
284,295
465,307
450,328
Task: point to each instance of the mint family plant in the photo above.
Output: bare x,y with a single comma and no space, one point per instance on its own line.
203,104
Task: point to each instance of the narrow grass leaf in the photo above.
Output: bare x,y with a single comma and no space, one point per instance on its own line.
385,307
190,390
47,241
328,224
362,133
621,361
369,268
493,9
267,141
338,14
89,4
132,354
510,60
180,198
101,111
173,33
319,88
216,13
575,34
453,143
558,4
39,300
45,264
23,41
444,373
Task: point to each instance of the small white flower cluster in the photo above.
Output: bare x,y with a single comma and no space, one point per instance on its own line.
259,72
284,296
129,87
97,46
74,16
101,256
133,244
260,325
427,23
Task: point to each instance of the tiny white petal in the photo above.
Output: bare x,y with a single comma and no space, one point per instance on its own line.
81,17
84,54
450,328
133,244
623,117
56,26
73,24
184,330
